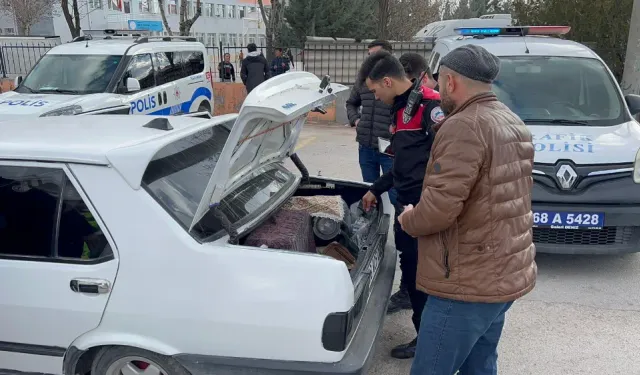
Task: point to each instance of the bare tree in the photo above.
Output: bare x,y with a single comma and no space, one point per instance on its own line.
72,16
27,12
383,18
407,17
185,22
273,19
163,14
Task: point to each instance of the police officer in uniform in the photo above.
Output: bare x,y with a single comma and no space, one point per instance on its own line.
415,109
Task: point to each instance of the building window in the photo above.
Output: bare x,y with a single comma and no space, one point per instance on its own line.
240,11
173,8
144,6
224,40
208,10
262,41
95,4
231,11
233,42
218,10
10,31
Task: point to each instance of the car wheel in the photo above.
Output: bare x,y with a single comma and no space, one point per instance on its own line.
204,108
119,360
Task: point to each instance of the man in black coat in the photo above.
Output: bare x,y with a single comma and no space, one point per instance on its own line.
255,68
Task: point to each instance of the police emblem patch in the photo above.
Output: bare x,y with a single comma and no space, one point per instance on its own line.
437,115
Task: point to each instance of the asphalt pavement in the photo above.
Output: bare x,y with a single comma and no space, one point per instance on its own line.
583,317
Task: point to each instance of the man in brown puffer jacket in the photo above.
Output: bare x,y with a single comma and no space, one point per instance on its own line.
473,221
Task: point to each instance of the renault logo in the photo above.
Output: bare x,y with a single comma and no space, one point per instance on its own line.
566,176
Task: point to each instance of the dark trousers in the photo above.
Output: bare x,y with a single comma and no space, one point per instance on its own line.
459,336
371,162
408,248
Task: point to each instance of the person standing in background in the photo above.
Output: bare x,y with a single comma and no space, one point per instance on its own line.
226,70
372,119
280,64
255,68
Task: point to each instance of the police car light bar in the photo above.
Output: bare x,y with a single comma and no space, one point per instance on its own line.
513,30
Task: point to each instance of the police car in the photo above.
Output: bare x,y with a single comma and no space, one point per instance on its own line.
586,193
115,74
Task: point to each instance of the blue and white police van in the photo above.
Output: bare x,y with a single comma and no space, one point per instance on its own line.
115,74
586,192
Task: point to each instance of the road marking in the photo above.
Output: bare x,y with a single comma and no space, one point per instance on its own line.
304,142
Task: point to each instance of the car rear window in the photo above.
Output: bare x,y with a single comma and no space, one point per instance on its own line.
179,173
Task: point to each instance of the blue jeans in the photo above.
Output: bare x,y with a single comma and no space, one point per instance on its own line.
371,161
460,336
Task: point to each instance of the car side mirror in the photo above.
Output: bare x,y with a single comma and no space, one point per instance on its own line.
17,81
633,102
133,85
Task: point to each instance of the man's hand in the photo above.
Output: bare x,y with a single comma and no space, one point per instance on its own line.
407,208
357,122
369,200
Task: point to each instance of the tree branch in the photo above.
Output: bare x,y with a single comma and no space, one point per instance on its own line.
263,13
164,16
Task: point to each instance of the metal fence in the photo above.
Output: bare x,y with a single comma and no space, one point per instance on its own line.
17,58
237,53
342,60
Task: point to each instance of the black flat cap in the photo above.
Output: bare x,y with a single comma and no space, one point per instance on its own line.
473,62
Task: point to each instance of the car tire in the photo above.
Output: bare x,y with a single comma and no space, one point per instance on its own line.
204,108
111,360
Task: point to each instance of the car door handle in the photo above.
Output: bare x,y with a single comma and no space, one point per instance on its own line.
90,286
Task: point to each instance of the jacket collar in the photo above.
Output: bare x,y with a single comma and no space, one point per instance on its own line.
478,98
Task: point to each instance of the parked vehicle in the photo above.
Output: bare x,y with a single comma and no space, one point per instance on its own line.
114,75
125,246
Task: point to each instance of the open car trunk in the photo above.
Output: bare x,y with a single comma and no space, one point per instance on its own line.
306,223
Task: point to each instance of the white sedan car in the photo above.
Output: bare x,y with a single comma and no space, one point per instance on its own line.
124,247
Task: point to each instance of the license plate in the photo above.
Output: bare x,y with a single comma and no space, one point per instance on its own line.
374,265
568,220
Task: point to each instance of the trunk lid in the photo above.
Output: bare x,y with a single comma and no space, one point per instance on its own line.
266,130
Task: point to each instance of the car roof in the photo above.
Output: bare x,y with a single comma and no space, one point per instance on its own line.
515,46
96,139
118,46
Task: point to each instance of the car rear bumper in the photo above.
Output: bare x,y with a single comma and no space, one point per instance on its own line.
621,232
357,357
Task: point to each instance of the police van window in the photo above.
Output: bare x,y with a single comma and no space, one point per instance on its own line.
71,74
434,62
194,62
42,215
582,90
141,68
167,69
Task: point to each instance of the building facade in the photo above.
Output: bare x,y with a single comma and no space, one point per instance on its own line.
232,23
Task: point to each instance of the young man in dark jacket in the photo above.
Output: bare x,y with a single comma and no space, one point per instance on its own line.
226,70
372,119
255,68
280,64
393,82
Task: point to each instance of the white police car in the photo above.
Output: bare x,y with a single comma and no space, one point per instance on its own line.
586,193
116,75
